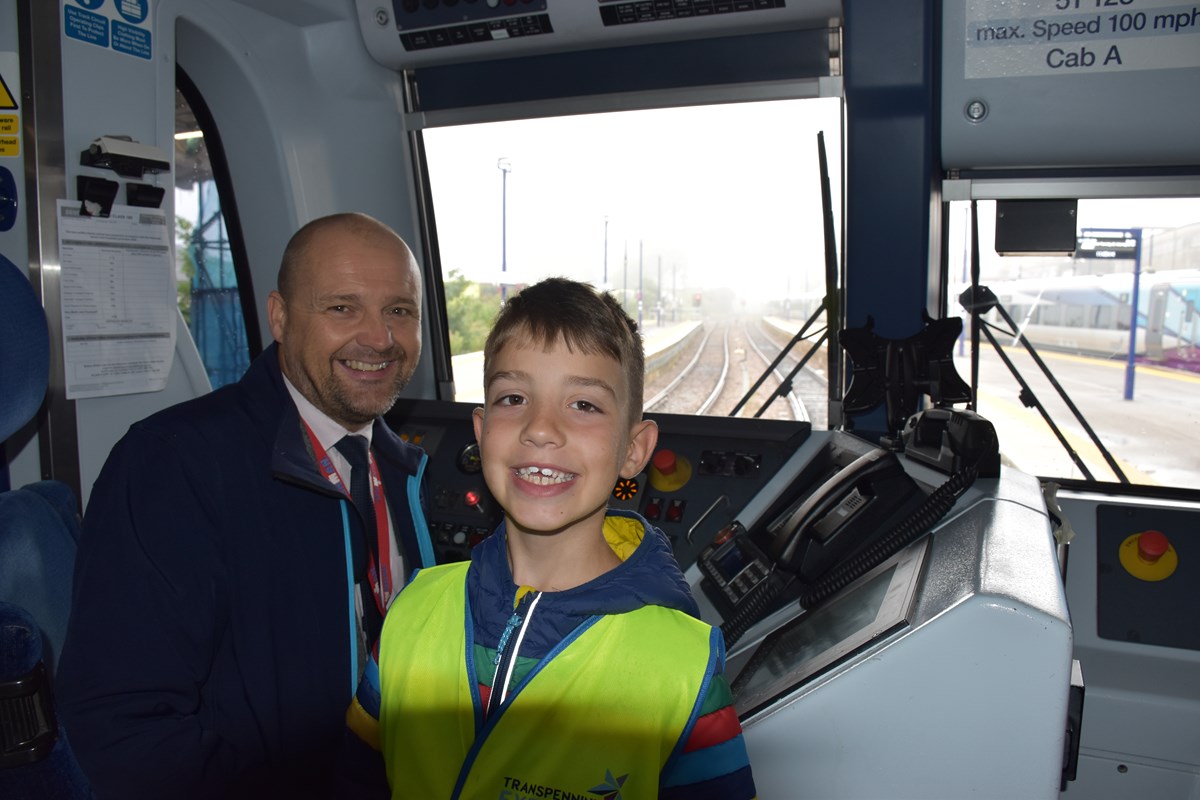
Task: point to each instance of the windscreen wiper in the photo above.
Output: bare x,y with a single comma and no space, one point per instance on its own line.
978,300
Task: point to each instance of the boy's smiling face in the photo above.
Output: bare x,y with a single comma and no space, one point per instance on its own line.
555,434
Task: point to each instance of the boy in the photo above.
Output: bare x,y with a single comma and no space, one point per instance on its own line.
567,660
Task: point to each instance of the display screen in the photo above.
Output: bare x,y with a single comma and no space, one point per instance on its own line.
730,562
819,639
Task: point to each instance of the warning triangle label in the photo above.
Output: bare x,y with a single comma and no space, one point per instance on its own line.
8,100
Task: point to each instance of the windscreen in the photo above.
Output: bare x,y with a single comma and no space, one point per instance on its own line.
1113,318
705,222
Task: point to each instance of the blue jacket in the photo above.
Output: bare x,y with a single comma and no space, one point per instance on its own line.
650,576
209,648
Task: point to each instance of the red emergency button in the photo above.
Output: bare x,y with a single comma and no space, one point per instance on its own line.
1152,545
668,471
1148,556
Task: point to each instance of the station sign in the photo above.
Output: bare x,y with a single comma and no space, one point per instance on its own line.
1107,243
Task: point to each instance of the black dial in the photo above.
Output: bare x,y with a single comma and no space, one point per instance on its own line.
468,459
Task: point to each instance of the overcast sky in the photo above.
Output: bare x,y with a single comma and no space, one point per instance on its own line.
727,194
724,196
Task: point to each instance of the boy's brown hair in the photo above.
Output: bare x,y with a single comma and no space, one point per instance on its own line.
587,320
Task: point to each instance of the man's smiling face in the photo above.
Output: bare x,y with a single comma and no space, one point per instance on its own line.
350,334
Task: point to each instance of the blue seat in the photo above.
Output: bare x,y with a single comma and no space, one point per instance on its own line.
39,532
36,762
24,354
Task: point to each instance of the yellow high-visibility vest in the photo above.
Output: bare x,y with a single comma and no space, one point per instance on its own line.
597,717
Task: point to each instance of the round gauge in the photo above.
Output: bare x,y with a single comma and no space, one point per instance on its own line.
468,459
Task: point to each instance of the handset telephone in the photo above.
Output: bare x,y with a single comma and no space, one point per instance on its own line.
862,493
845,513
865,507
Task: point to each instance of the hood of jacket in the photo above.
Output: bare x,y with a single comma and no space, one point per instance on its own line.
648,576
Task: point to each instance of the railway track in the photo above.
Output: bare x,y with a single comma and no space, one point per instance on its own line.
714,376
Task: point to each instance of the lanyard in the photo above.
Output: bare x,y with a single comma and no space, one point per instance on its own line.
380,575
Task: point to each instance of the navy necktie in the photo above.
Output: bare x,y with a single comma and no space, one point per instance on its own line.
354,449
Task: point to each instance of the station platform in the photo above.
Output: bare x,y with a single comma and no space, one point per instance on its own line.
659,342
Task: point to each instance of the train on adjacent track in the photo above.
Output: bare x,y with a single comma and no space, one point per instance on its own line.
1093,315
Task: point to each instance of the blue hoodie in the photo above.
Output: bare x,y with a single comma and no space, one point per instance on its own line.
649,576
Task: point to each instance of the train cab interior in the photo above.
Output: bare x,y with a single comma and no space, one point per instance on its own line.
916,283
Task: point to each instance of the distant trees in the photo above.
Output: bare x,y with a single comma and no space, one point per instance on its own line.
185,266
470,310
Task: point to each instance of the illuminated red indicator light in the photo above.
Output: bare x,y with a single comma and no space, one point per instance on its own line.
724,535
471,498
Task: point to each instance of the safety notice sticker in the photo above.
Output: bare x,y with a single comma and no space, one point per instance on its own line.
10,120
123,25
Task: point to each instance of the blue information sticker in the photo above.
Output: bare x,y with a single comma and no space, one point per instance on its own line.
85,26
131,40
133,11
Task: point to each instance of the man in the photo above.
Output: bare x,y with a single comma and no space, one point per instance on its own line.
226,587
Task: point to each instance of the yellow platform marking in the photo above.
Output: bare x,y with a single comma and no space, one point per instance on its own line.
1113,364
1026,425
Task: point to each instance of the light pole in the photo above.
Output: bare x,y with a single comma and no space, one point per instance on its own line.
604,285
505,167
639,291
1131,361
625,278
658,303
674,293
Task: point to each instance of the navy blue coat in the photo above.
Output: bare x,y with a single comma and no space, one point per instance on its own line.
208,652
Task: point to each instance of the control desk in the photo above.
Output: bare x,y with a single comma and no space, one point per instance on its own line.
944,670
703,472
941,667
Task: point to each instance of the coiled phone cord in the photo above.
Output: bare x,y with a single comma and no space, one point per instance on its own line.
749,611
936,506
